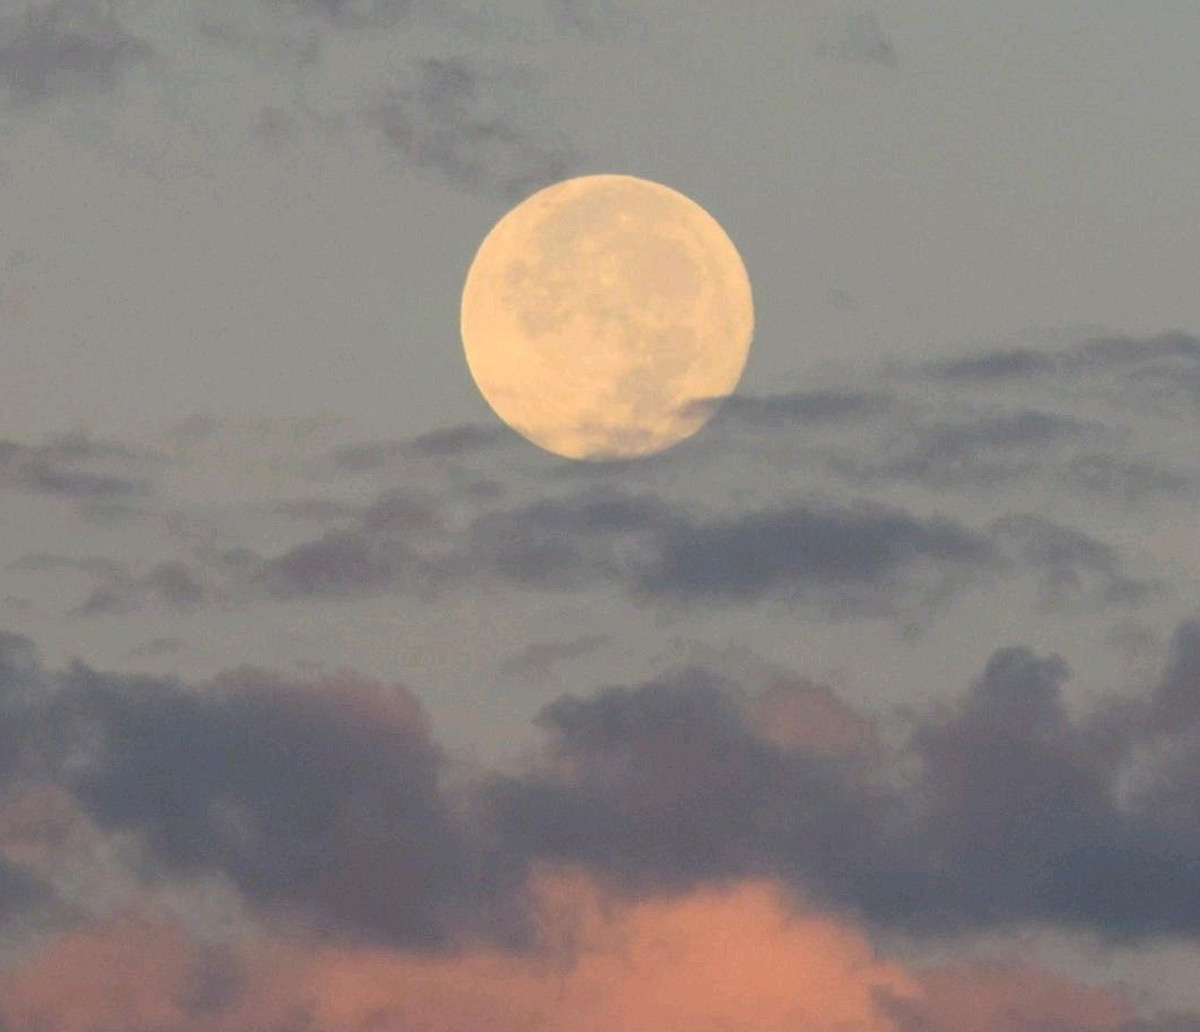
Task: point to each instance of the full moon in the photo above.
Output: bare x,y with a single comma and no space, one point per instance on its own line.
606,317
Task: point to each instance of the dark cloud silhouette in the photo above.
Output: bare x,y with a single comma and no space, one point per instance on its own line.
64,47
21,893
328,799
858,559
664,783
323,796
802,408
1013,817
66,467
866,559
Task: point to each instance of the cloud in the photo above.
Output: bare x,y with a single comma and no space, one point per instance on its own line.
327,804
350,13
117,589
802,408
982,450
64,47
1015,814
157,647
865,41
449,119
321,795
1071,566
1008,996
66,467
999,364
665,784
28,469
176,585
862,559
865,559
739,957
859,559
539,659
1132,480
1162,366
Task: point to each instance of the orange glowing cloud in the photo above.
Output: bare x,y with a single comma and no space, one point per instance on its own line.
1015,997
801,714
733,959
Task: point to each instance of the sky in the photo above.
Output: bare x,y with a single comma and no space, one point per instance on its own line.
330,703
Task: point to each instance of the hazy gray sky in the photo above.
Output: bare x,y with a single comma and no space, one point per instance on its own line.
907,632
222,224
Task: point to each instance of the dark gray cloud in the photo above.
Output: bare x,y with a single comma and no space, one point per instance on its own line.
983,450
1164,365
857,559
64,47
320,796
447,443
862,559
447,119
1013,817
328,799
664,784
77,467
997,364
21,893
801,408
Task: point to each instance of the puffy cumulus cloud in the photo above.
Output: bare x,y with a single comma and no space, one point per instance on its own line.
732,959
322,795
665,784
317,797
330,804
1000,809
